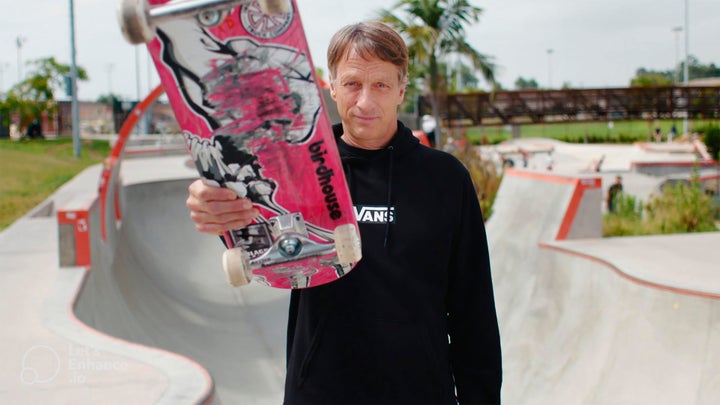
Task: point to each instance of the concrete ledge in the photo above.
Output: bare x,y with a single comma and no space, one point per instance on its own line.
49,356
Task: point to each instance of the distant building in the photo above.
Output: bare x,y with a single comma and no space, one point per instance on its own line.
99,118
95,118
705,82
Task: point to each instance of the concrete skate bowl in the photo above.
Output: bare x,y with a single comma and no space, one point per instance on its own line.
577,330
158,282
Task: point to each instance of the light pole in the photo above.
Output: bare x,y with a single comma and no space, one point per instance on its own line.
550,52
19,41
149,112
137,81
687,65
73,85
137,73
677,31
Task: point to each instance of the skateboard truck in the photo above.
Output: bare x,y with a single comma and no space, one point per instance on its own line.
291,242
138,19
288,230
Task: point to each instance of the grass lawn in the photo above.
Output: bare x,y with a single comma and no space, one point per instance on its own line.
594,132
33,169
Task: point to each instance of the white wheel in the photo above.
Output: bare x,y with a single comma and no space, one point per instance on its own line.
347,244
236,263
211,18
274,7
134,18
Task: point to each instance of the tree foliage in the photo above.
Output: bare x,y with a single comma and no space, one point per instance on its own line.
679,208
36,94
696,70
645,78
460,77
433,30
486,176
699,71
108,99
521,83
711,138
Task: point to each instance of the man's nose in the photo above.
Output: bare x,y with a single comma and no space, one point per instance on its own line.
365,98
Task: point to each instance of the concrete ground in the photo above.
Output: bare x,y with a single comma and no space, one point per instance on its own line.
584,320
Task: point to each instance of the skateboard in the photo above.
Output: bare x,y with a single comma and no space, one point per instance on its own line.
241,82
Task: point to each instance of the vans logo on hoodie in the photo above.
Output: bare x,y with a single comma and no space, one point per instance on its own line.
373,214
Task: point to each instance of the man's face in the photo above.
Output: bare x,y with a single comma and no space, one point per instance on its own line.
367,93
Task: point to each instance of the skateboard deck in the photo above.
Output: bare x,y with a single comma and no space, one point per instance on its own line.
240,80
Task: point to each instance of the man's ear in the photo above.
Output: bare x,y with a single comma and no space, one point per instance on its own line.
401,97
332,87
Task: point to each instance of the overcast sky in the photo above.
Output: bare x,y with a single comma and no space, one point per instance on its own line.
594,43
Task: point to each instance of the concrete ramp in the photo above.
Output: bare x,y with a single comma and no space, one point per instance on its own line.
583,319
576,329
161,284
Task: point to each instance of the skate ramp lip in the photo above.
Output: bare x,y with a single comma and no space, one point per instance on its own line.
599,321
571,208
159,282
679,263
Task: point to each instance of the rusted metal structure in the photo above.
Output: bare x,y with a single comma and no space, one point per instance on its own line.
536,106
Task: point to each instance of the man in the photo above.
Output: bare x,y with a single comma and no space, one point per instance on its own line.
613,194
415,321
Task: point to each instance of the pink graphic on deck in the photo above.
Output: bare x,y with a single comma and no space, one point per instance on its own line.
203,74
264,98
245,94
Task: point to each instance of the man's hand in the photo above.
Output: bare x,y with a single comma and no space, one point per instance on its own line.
215,210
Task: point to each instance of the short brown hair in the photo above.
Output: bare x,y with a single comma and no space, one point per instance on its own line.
370,39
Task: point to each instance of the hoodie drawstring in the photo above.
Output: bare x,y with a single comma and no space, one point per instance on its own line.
348,172
389,194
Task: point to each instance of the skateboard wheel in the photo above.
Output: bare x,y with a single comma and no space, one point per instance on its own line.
236,263
347,244
273,7
134,18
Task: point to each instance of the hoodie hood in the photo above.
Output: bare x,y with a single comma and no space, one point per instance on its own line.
402,143
363,160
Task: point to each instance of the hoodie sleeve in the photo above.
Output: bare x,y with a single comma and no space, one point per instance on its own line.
472,320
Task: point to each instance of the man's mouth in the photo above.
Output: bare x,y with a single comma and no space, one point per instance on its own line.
366,118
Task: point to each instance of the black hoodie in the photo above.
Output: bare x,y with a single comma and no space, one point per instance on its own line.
415,320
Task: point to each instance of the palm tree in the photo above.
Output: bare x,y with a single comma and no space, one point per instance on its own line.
433,30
